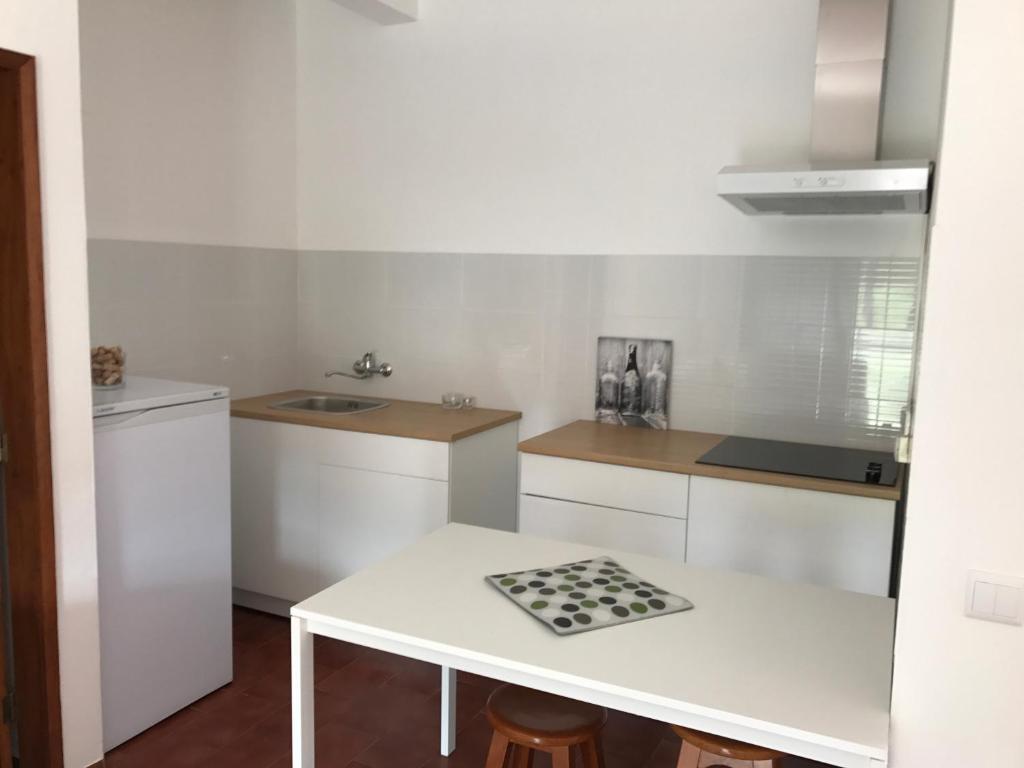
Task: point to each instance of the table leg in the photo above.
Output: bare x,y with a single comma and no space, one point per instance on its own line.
448,689
302,695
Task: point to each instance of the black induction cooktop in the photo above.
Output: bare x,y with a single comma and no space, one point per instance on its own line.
849,464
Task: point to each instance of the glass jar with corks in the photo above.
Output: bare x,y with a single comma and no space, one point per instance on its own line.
107,367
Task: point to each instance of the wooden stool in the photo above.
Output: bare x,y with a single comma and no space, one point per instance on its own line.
697,742
525,721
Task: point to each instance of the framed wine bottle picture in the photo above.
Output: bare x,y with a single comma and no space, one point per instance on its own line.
634,378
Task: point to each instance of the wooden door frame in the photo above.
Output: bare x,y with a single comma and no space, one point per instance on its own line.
25,405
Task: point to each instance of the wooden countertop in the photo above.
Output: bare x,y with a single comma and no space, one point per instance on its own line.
402,418
676,451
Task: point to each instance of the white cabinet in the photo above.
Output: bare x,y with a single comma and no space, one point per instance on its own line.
273,509
829,539
367,516
606,505
311,505
639,532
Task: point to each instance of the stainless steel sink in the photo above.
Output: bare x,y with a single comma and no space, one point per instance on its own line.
338,404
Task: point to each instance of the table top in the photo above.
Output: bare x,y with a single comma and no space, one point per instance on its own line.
806,664
402,418
674,450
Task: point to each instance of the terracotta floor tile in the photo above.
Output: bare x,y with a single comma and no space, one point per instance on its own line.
384,710
241,757
335,653
471,745
355,677
328,708
166,753
219,726
479,681
274,686
218,698
255,628
278,687
252,663
424,678
632,738
262,745
173,724
135,751
402,748
185,754
469,700
338,745
276,652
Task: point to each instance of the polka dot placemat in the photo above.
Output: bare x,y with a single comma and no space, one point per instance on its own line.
586,595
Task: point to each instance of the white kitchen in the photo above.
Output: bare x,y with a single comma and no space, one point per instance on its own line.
653,321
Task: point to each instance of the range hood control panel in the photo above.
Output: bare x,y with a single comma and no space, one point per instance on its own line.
818,182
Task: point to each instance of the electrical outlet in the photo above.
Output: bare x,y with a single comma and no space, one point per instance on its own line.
995,597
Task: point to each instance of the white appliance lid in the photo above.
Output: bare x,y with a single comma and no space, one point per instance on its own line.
141,393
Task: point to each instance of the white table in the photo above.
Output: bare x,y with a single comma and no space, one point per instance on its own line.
798,668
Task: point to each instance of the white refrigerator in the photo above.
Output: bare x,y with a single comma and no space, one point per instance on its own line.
163,514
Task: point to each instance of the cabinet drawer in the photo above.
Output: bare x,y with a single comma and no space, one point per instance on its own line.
606,485
338,447
384,453
820,538
638,532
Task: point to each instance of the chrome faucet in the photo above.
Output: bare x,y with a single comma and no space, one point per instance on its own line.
364,368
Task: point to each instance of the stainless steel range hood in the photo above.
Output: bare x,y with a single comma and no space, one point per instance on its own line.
843,176
828,188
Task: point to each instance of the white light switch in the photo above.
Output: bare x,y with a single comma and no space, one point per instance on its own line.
1007,602
984,602
994,597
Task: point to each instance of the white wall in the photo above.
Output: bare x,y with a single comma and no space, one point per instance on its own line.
576,126
189,120
48,29
957,695
540,127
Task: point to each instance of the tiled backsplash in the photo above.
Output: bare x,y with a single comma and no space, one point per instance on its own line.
213,314
813,349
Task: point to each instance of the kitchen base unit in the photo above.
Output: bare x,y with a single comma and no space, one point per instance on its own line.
313,505
646,491
821,538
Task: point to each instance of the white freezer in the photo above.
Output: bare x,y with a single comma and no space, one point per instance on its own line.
140,393
164,550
